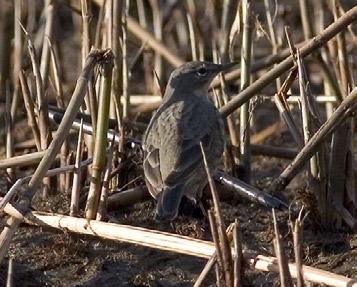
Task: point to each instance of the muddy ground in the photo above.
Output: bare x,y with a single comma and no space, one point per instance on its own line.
48,257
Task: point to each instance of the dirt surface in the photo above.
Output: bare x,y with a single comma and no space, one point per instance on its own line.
47,257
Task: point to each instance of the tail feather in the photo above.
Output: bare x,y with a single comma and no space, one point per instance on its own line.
168,203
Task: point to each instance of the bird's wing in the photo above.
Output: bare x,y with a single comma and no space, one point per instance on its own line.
180,155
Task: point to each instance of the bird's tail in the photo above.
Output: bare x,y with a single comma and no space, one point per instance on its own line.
168,203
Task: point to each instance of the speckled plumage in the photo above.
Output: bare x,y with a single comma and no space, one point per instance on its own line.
173,163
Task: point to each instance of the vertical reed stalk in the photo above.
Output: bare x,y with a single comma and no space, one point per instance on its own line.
45,56
17,55
101,140
30,110
10,150
77,175
246,55
126,96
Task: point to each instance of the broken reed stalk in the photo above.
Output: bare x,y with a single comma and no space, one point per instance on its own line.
77,175
10,271
101,139
297,238
45,56
283,107
345,110
171,242
42,103
246,55
215,238
284,273
311,121
10,150
52,151
17,56
341,23
238,254
30,110
223,239
212,260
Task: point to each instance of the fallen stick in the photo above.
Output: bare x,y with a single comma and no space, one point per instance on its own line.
173,243
23,160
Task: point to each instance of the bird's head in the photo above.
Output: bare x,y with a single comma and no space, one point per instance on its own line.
196,76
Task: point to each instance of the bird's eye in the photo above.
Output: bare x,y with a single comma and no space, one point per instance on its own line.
202,71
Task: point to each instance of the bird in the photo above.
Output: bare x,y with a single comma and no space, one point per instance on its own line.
173,164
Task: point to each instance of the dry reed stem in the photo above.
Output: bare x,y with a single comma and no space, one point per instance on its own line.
22,160
10,273
297,237
102,206
18,47
30,110
101,140
9,127
284,273
77,175
246,55
45,56
344,111
223,239
238,254
215,237
127,197
61,104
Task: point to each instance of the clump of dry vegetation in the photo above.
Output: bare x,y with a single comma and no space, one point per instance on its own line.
79,81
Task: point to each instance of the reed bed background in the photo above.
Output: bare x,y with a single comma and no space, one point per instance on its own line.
79,81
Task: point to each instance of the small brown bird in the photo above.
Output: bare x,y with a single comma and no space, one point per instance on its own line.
173,163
